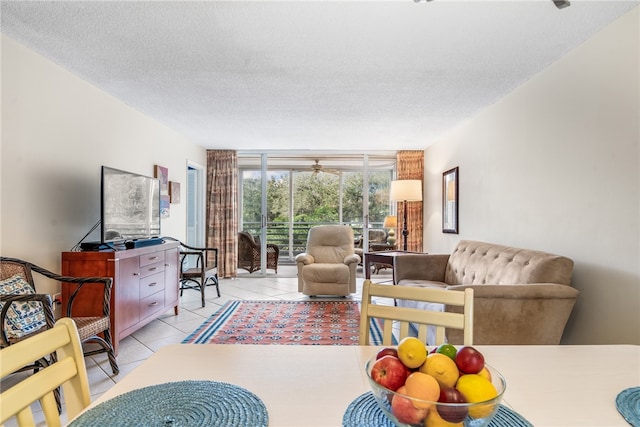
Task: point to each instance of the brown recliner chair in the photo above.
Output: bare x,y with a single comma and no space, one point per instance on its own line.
328,267
249,253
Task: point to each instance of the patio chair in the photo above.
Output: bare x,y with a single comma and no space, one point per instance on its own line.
418,318
249,253
67,371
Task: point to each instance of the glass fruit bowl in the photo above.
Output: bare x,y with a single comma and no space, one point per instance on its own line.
406,411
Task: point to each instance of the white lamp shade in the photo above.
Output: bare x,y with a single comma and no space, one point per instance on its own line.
409,190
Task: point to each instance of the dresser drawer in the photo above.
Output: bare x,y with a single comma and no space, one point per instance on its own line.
151,304
151,284
152,258
150,269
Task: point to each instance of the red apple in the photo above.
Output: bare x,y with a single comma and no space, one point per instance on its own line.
389,372
404,411
453,414
469,360
387,351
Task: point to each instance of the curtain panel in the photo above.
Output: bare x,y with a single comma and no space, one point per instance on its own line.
410,165
222,208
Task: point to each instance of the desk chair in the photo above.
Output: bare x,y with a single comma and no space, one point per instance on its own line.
412,316
68,371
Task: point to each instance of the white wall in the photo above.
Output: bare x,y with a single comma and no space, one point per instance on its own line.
554,166
57,131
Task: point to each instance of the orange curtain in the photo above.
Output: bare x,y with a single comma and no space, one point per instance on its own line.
410,165
222,208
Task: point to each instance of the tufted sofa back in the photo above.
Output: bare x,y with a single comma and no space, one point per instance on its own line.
478,263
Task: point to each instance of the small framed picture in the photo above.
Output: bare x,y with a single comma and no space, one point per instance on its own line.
162,174
165,209
174,192
450,183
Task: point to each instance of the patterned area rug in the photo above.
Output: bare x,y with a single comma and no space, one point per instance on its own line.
281,322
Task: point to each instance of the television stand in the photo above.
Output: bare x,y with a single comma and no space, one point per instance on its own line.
145,285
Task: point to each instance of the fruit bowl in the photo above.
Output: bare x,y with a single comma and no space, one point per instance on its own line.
409,411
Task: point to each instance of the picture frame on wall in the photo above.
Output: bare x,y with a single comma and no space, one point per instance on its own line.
162,174
174,192
450,202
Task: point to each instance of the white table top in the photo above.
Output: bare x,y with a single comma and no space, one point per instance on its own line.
313,385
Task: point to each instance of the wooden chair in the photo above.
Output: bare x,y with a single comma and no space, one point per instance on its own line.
92,329
418,317
198,268
68,371
249,253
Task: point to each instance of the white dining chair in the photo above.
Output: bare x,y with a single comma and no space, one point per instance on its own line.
400,319
68,371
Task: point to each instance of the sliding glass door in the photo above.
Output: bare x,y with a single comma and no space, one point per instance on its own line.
281,198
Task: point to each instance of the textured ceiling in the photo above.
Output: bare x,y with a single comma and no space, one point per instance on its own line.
307,75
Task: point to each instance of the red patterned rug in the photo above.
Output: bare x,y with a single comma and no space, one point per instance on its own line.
281,322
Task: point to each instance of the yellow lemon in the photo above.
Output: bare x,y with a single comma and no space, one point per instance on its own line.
424,387
485,373
435,420
412,352
476,388
442,368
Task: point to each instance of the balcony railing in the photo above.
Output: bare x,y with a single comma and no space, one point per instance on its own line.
293,240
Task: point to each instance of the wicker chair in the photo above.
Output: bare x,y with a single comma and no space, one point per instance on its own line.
90,328
249,253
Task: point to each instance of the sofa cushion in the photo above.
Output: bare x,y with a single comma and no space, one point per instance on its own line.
478,263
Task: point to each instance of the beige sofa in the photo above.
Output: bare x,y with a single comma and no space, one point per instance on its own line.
520,296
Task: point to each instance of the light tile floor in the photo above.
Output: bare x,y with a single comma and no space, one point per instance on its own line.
172,329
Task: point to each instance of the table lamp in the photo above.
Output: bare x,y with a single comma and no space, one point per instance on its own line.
406,190
391,222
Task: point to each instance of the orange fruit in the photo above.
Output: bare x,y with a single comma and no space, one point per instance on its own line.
424,387
412,352
476,388
442,368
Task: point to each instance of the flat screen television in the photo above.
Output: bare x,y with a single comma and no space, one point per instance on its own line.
130,206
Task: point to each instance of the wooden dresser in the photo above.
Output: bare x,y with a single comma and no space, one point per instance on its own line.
145,285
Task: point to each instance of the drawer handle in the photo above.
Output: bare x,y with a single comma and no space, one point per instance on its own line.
153,284
153,303
151,258
136,274
153,268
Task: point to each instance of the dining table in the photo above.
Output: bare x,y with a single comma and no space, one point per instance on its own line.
309,385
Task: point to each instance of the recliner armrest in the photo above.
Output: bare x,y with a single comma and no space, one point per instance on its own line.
305,258
420,267
352,259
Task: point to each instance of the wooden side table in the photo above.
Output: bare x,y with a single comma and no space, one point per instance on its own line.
382,257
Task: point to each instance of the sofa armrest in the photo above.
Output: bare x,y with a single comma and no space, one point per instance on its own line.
531,314
420,267
529,290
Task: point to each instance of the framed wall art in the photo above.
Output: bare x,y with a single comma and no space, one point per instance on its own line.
450,183
174,191
162,174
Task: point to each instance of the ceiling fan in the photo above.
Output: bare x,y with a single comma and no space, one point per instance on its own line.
317,168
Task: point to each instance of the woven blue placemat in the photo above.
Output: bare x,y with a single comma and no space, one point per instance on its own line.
182,403
628,404
365,412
